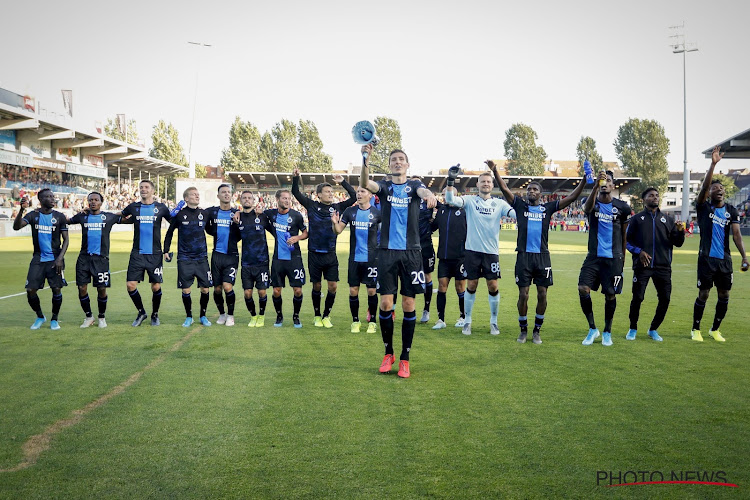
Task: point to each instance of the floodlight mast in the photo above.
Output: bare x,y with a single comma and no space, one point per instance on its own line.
682,47
191,162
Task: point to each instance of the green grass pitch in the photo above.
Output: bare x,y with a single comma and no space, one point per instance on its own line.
221,412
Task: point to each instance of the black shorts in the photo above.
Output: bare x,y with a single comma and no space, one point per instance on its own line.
224,267
482,265
533,267
714,272
602,271
255,277
292,269
190,270
324,265
41,271
452,268
365,273
405,265
428,259
92,268
151,264
662,281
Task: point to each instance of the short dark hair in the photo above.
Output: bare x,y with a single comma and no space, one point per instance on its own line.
319,187
716,181
648,190
398,151
537,183
149,181
278,193
610,174
225,185
101,198
246,191
39,194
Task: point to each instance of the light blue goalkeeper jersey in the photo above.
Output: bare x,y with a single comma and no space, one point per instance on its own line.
482,220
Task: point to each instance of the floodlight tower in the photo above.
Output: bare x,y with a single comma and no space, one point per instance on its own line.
191,162
680,46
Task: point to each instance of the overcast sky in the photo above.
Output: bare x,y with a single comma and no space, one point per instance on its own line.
455,75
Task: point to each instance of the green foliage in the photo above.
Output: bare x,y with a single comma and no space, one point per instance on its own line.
242,153
389,133
524,156
312,158
166,145
286,149
111,129
265,153
642,147
586,149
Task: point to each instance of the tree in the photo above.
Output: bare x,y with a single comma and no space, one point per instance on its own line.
389,134
524,156
166,145
586,149
112,129
242,153
312,158
642,147
266,154
286,149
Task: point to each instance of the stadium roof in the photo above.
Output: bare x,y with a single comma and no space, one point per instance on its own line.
113,152
275,180
737,146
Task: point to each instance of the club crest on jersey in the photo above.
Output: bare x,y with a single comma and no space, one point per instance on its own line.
542,208
200,216
615,210
493,204
54,221
330,209
257,220
643,217
370,216
407,189
458,212
104,217
664,220
726,214
156,210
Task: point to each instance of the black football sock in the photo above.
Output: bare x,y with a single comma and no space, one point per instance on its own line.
354,307
230,302
297,304
219,299
407,333
330,299
316,302
538,322
609,313
155,301
523,323
461,303
372,306
86,305
698,309
721,311
56,304
427,296
135,296
35,304
588,310
386,330
187,301
250,304
441,301
277,302
262,304
204,303
102,303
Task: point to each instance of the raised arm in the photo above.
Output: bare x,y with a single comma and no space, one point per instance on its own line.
348,187
20,222
507,193
716,157
574,195
301,197
454,201
364,176
589,205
